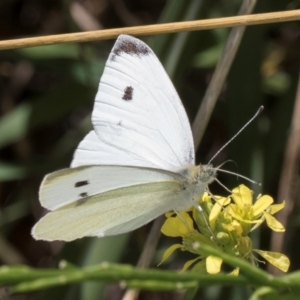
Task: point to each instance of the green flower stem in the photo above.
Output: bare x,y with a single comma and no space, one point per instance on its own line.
16,274
154,285
25,279
254,274
292,280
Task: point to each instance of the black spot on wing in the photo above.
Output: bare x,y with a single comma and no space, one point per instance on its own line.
128,93
131,46
83,195
81,183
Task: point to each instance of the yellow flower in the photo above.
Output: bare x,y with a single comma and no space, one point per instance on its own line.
248,213
224,223
181,225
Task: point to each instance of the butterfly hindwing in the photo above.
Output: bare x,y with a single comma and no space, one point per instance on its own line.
76,184
109,213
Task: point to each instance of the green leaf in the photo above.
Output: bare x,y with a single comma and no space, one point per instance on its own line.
278,83
12,172
189,263
268,293
88,73
45,110
209,57
200,267
70,51
169,252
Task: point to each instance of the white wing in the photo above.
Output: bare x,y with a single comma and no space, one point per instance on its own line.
77,184
92,150
138,117
110,213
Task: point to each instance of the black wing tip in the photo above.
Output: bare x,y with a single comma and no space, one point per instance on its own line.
130,45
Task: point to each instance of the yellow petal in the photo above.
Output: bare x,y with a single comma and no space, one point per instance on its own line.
213,264
235,272
169,252
277,259
273,223
261,205
176,226
216,210
169,214
205,198
234,211
237,227
184,215
242,195
189,263
276,207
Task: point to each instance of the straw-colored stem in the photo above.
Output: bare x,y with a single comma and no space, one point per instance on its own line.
245,20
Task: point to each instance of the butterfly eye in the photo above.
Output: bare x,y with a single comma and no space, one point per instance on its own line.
207,174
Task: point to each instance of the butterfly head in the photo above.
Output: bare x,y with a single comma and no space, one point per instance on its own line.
207,173
199,175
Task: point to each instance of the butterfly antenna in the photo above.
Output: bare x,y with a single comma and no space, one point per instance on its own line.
234,173
222,185
239,175
222,148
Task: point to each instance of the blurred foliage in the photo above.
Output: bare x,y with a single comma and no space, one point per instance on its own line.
47,95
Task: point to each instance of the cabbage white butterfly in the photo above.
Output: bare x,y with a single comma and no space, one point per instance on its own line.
136,164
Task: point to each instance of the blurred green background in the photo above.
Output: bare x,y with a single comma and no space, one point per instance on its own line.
47,94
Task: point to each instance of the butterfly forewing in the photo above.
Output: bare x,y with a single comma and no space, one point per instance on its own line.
94,151
138,117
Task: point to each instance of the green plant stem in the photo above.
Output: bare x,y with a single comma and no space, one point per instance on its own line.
26,279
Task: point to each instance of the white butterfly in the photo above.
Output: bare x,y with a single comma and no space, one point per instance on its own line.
136,164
